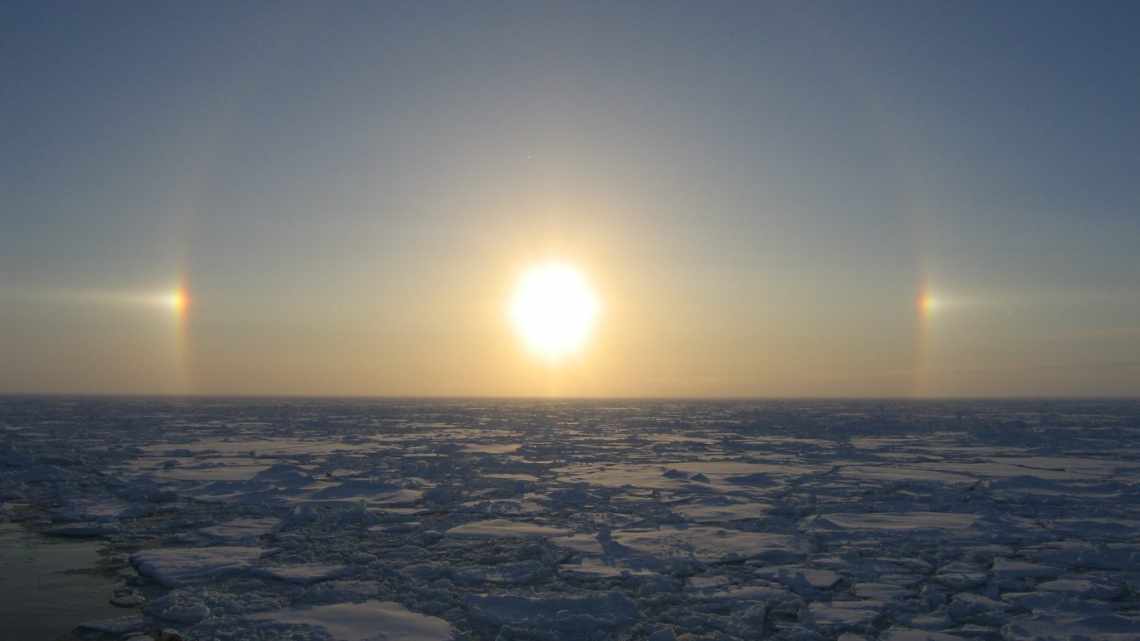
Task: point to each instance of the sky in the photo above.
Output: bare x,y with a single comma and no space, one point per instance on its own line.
885,199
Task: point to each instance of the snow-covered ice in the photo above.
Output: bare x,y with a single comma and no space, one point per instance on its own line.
370,620
506,528
542,521
174,567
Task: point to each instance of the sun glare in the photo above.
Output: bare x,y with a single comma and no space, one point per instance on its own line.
554,310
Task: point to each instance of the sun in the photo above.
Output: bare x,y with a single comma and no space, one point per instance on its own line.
554,309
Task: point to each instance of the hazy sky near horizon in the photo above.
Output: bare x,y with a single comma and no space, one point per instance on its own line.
758,192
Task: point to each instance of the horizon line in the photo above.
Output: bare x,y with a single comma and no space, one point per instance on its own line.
468,397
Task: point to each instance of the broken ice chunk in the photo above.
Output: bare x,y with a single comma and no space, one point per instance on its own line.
362,621
900,521
908,634
175,567
840,616
506,528
303,573
708,544
240,529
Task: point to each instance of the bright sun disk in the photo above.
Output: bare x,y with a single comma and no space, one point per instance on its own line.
554,309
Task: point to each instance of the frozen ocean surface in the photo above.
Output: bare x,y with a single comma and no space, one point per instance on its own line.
482,520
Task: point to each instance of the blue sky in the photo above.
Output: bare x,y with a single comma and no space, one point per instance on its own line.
760,190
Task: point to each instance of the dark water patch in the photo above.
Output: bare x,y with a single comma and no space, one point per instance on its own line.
49,586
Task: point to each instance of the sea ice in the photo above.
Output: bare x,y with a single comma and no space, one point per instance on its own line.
240,530
175,567
593,521
368,621
303,573
707,544
574,617
506,528
899,521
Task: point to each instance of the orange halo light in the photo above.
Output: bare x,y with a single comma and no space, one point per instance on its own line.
178,300
927,303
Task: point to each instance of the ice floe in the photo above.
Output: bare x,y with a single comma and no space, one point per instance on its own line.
367,621
174,567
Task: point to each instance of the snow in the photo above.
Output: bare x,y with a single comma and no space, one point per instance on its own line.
705,543
711,512
592,521
1102,627
240,529
590,568
174,567
840,616
901,521
303,573
363,621
1081,588
506,528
